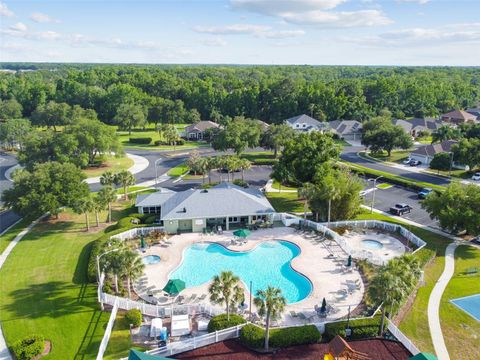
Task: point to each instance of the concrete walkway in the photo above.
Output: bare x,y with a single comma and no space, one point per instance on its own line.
269,188
434,303
4,352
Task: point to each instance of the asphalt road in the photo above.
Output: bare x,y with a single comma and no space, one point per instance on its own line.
350,154
6,162
7,218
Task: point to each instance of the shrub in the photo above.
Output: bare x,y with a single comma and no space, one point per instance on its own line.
179,142
29,347
146,140
253,336
149,219
134,317
361,329
220,322
240,182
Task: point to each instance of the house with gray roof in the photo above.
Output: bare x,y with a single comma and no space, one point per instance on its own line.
425,153
197,131
458,117
306,123
225,205
347,129
418,125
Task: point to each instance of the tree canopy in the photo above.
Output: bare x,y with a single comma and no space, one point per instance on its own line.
379,134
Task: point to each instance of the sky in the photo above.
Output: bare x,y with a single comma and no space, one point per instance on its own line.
316,32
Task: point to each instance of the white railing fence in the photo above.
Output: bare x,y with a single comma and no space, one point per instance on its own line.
108,332
133,233
402,338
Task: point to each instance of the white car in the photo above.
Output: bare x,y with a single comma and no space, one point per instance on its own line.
407,161
476,176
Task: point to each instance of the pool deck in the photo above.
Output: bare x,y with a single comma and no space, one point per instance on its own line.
329,279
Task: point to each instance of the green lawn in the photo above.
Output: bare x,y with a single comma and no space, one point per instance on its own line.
460,331
285,202
10,234
276,185
119,342
178,170
384,186
260,157
397,155
132,189
426,140
112,163
44,289
415,323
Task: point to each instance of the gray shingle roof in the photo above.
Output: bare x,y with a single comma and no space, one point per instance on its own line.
304,119
431,150
201,126
343,127
418,124
222,200
155,198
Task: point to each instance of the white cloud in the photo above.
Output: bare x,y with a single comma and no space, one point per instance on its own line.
219,42
313,12
39,17
421,2
18,27
5,11
260,31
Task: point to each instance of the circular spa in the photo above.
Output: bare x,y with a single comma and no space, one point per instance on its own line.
371,244
268,264
151,259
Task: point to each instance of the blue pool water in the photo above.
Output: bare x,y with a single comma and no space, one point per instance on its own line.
151,259
372,244
469,304
268,264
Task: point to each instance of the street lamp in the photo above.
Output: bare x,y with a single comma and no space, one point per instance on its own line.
156,171
451,164
373,195
98,270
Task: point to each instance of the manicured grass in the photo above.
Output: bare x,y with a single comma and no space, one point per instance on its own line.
112,163
384,186
132,189
120,342
6,238
426,140
397,155
276,185
178,170
409,183
260,157
342,142
44,289
285,202
460,331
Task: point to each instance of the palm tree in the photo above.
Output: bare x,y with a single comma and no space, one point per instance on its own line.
211,163
126,179
203,167
245,164
270,303
306,192
114,261
132,268
107,195
225,289
83,206
107,178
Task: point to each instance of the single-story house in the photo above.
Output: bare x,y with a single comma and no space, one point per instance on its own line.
225,205
197,131
263,125
418,125
306,123
474,111
425,153
347,129
458,117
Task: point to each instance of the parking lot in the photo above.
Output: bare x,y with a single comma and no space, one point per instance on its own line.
386,198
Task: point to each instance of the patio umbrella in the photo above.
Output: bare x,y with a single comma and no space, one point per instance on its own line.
243,233
349,260
423,356
174,286
323,308
142,241
137,355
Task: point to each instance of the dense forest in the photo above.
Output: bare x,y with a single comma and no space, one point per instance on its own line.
179,93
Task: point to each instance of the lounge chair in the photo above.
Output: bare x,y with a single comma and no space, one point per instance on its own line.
192,298
201,298
180,299
302,316
293,314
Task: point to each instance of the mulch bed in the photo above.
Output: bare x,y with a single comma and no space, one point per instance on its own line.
377,349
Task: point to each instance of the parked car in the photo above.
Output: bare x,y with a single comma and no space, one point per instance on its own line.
476,176
422,194
400,209
414,163
407,161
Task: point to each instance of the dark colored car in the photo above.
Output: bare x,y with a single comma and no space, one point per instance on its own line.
415,163
400,209
424,193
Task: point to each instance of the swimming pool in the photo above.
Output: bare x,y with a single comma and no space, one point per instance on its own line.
151,259
268,264
372,244
469,304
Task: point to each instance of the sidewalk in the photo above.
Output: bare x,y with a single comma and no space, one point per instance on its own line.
139,164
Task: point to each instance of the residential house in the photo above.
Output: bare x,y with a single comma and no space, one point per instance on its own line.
197,131
458,117
225,205
306,123
263,125
347,129
475,111
425,153
417,126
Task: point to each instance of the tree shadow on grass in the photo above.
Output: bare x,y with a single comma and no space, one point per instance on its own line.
466,252
93,336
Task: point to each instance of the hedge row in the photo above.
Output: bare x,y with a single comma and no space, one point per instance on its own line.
29,347
179,142
220,322
254,336
361,329
143,140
